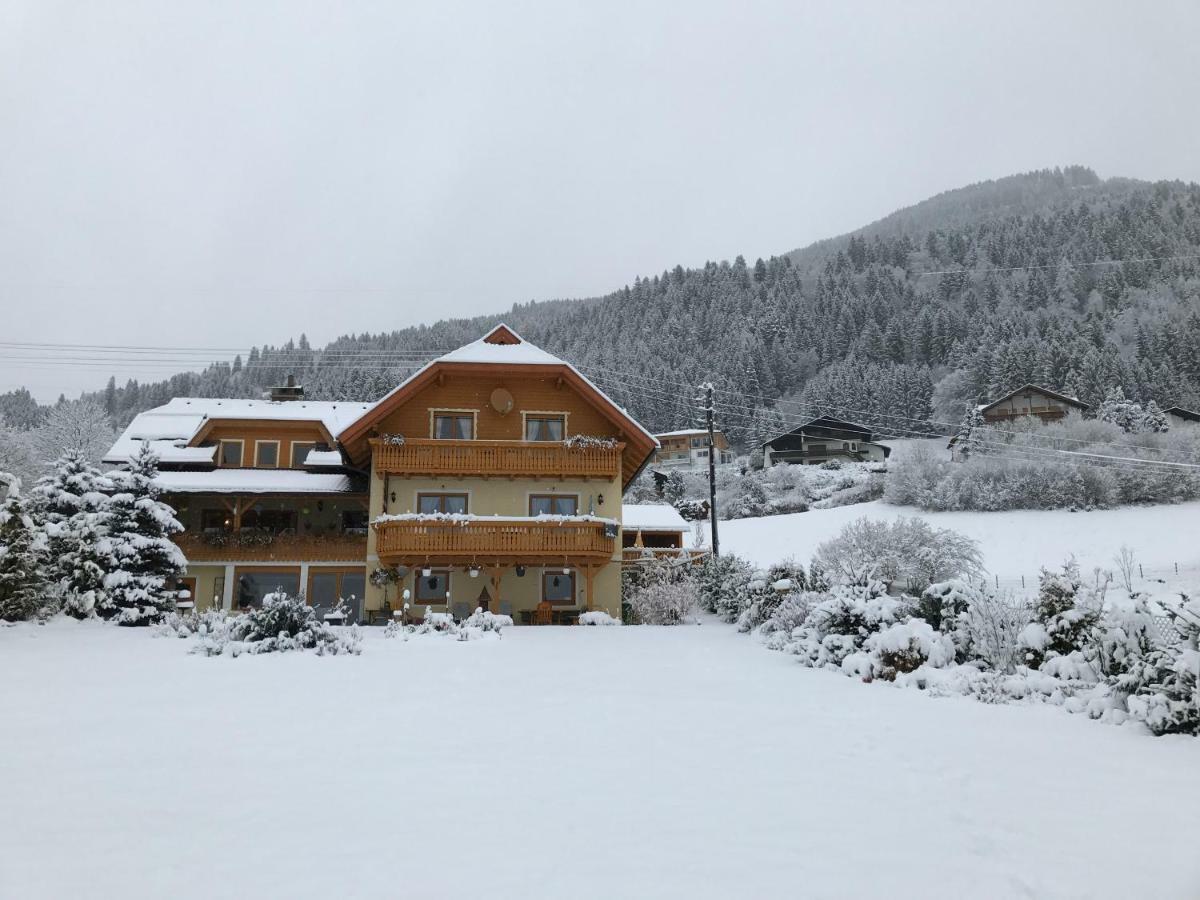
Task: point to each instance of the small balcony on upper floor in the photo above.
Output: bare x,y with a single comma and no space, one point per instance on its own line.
503,459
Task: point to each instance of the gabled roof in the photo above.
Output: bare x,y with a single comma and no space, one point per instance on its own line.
1073,401
823,422
685,432
1186,414
501,349
651,517
173,426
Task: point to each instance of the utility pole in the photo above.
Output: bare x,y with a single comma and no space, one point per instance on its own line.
712,466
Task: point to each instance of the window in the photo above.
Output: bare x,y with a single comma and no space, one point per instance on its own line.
454,426
558,587
434,587
545,428
553,504
266,454
212,520
231,454
326,587
441,503
300,452
354,521
274,521
253,585
699,442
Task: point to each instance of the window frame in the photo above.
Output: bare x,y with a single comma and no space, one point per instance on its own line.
436,413
529,498
292,464
257,448
240,571
574,587
221,464
527,414
466,497
340,572
418,578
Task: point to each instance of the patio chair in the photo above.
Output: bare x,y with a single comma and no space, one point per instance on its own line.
544,614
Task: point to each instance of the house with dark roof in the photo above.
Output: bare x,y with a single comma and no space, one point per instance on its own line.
1031,400
1177,416
823,439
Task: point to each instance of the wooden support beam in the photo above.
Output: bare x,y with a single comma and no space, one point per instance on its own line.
589,579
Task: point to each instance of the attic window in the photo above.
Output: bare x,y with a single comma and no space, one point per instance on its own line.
501,334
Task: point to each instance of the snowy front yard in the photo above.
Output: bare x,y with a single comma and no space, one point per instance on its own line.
558,762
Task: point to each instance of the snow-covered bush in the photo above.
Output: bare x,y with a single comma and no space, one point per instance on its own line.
669,602
840,624
908,549
144,561
22,588
721,585
767,590
480,624
1066,616
193,622
791,613
900,648
597,617
282,623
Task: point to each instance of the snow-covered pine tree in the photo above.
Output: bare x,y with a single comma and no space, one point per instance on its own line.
969,441
144,559
66,503
22,588
1124,413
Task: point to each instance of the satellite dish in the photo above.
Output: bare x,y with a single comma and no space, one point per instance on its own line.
502,401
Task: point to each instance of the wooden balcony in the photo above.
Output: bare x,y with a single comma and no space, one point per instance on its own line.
507,459
246,546
1045,413
412,541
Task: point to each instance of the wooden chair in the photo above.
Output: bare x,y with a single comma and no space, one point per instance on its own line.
544,614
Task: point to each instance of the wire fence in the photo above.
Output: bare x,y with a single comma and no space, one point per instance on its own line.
1027,583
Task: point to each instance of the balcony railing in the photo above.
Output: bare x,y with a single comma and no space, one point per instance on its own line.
249,546
413,540
517,459
1040,412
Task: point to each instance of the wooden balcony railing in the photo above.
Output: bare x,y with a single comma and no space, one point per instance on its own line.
412,540
518,459
245,546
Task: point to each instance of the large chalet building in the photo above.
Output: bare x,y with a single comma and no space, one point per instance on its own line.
491,478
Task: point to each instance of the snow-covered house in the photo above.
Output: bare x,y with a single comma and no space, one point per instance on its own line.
1031,400
688,449
651,526
491,477
1177,416
823,439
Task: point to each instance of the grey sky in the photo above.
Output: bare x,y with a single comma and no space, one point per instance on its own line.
233,173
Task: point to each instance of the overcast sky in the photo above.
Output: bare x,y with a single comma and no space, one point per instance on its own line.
221,174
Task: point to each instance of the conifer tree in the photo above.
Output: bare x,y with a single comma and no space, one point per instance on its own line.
144,561
22,588
969,441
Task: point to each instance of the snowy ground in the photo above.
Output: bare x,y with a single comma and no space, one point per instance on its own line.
606,762
1013,543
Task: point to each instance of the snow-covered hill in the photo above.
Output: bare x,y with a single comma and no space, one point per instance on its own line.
1013,543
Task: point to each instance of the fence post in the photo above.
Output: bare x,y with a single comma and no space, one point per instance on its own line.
1022,582
1176,568
997,582
1141,574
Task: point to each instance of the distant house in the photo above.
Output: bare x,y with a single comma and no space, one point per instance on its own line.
1177,416
822,439
1031,400
688,449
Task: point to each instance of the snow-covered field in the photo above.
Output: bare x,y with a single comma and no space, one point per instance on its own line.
1012,543
558,762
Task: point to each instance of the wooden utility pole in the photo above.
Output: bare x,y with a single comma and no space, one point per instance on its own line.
712,467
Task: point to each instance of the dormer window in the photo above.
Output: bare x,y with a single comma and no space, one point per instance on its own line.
231,454
266,454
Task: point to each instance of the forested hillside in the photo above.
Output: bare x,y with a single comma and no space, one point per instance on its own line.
968,294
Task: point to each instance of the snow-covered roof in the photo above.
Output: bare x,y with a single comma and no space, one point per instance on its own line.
179,420
252,481
684,432
652,517
513,350
323,458
168,451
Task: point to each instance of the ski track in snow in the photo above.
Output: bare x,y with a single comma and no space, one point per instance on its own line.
644,762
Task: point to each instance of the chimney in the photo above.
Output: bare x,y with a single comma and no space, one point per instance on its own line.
289,391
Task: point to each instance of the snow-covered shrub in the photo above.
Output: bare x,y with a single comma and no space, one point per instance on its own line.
1066,615
144,559
597,617
282,623
766,590
480,624
791,613
22,588
721,585
1124,636
905,548
840,624
989,628
668,602
193,622
900,648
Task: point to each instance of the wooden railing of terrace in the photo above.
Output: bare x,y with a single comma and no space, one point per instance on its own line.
247,546
515,459
412,540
